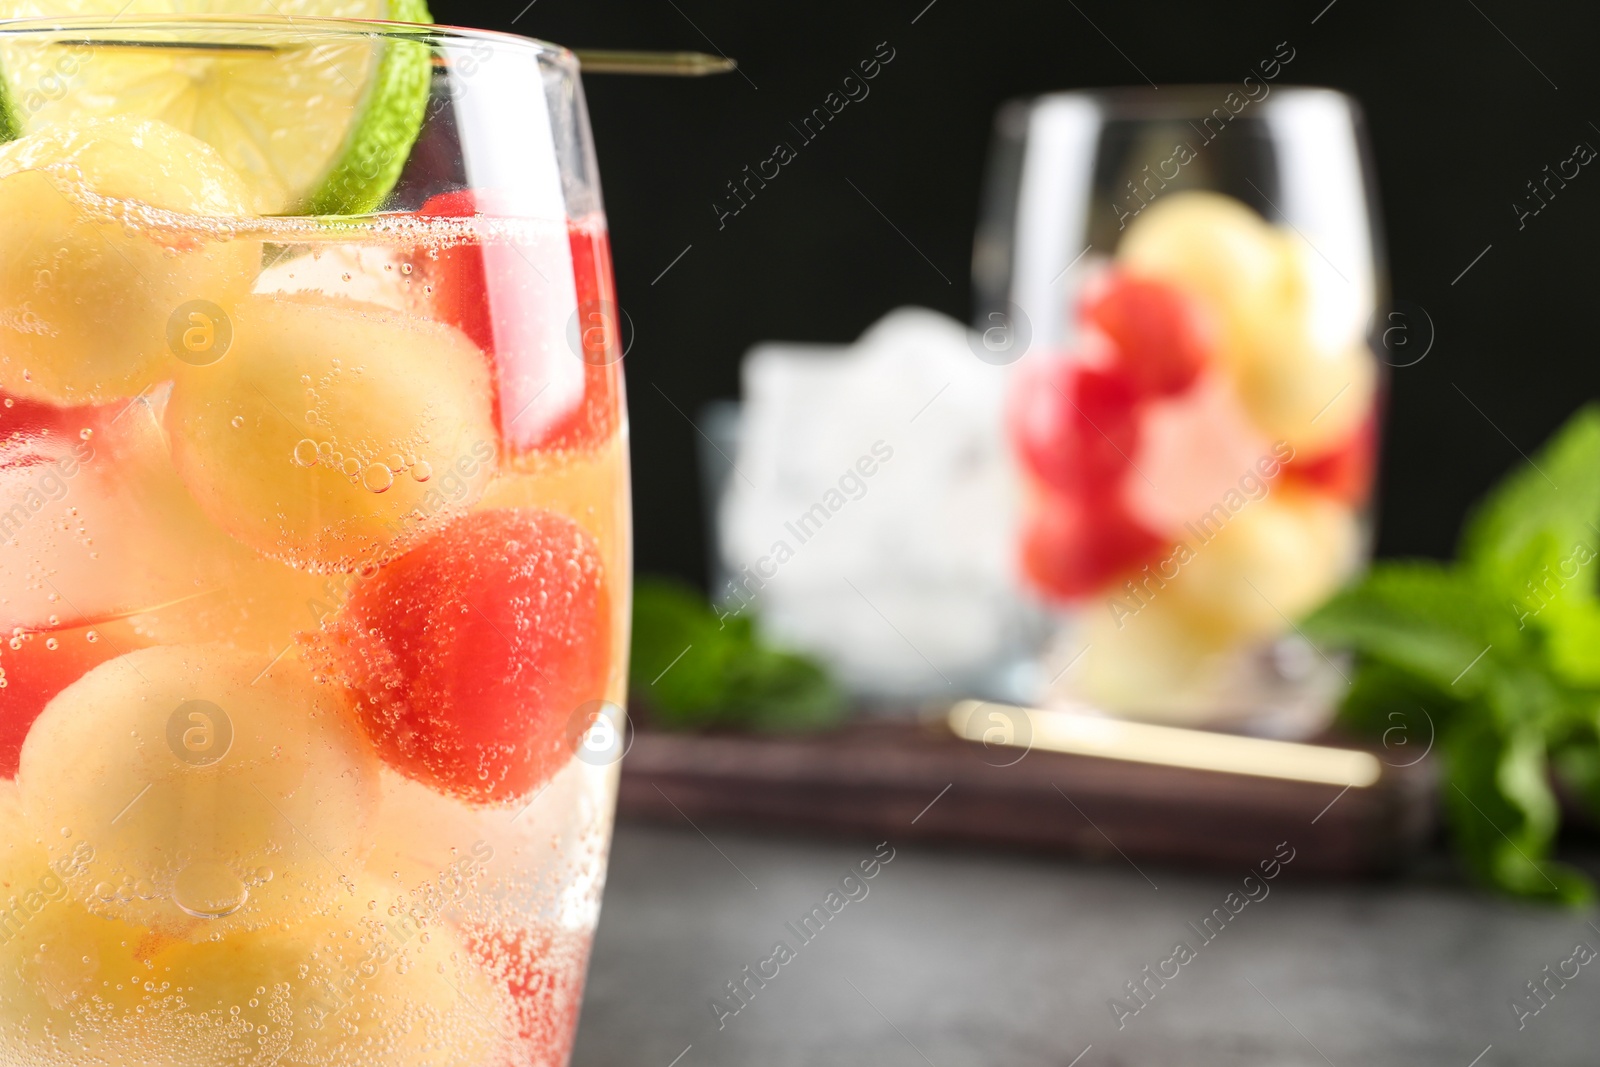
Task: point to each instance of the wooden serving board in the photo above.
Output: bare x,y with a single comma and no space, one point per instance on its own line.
909,781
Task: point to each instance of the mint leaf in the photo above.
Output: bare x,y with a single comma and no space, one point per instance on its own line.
1392,706
1540,514
1571,632
1504,815
1501,652
1522,695
782,692
696,670
1577,765
669,622
1425,619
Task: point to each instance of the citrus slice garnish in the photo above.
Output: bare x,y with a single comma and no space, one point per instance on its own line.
319,124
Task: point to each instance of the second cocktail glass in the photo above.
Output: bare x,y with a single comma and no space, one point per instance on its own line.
1195,417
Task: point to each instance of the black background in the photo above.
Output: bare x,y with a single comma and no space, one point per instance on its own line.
1462,112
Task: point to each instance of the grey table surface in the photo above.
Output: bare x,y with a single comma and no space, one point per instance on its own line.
965,957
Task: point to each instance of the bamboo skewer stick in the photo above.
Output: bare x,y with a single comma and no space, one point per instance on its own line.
680,64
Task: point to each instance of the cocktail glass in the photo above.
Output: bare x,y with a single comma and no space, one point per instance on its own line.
315,575
1197,274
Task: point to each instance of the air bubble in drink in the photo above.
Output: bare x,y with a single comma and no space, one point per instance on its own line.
377,478
209,890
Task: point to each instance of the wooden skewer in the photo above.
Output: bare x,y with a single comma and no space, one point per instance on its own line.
1089,735
593,61
680,64
224,47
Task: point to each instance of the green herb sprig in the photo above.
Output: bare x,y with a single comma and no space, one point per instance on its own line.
1501,651
695,669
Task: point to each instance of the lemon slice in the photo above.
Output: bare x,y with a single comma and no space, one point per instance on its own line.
317,124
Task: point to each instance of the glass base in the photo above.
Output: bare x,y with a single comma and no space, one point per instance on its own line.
1280,688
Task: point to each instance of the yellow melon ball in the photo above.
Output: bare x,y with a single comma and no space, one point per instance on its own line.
369,983
91,279
331,435
1307,392
14,835
62,970
257,605
66,979
1272,561
1218,249
218,791
1143,660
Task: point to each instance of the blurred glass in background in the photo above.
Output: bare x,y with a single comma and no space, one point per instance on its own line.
1153,455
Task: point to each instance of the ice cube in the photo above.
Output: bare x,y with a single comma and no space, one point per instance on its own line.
870,519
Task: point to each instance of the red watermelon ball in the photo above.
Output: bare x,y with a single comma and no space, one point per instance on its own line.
470,654
1075,545
1074,425
546,397
34,667
1344,472
1161,334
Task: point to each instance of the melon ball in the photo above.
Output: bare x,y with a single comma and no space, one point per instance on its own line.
91,280
591,488
1303,390
65,979
1144,660
257,605
372,982
217,792
1273,560
332,434
468,657
1301,381
14,835
62,970
1217,248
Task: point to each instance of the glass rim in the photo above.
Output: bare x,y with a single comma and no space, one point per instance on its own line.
78,28
1175,101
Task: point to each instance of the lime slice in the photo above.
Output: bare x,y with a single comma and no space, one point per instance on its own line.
319,126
